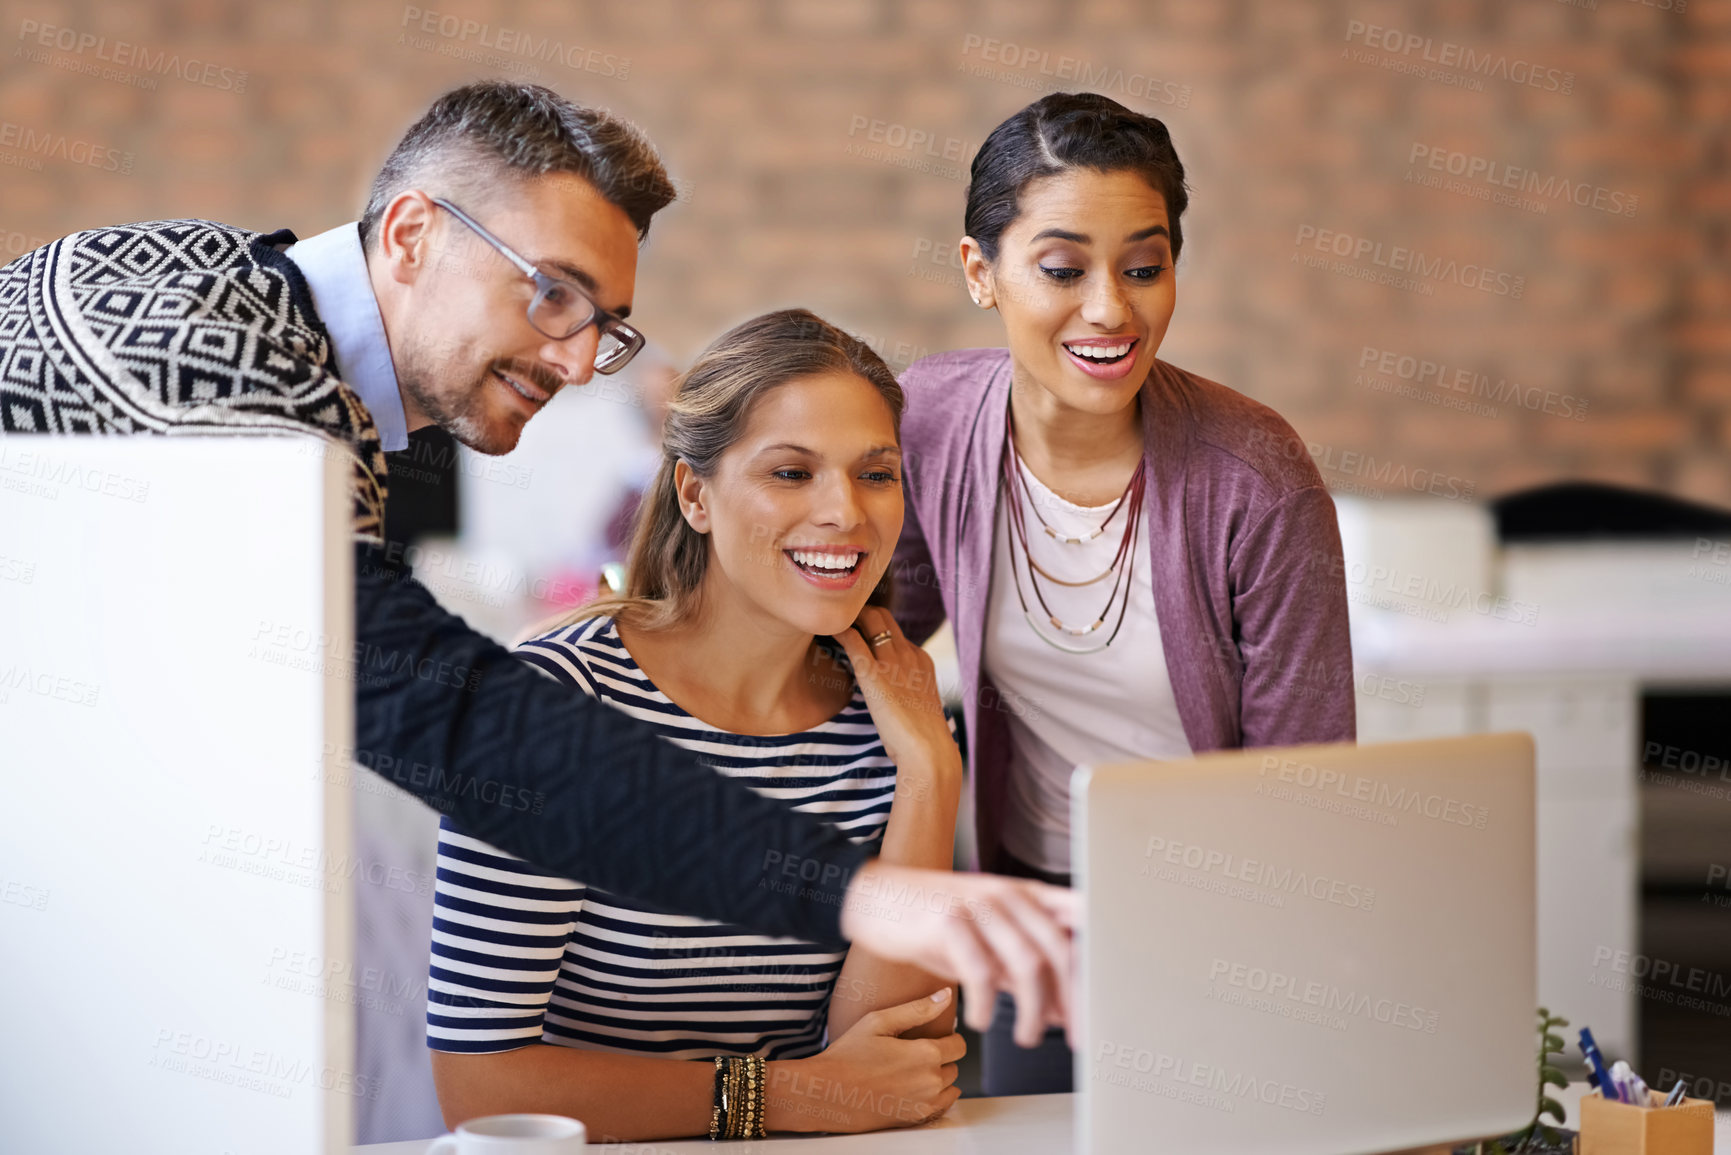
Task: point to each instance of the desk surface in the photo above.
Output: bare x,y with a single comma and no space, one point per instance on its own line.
1022,1125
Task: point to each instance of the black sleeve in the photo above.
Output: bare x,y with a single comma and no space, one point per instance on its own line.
574,786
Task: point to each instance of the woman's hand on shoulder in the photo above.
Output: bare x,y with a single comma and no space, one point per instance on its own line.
900,685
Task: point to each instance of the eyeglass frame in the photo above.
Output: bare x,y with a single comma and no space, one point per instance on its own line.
606,322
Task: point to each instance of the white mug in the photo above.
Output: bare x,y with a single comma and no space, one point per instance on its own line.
513,1135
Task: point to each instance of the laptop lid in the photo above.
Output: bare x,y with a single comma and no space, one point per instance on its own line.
1322,949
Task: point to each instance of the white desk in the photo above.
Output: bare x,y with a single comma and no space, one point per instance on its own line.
1023,1125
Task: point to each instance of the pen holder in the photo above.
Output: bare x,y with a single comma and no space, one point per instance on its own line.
1612,1128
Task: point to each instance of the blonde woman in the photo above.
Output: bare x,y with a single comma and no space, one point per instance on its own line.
744,634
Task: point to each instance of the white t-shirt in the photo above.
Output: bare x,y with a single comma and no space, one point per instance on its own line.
1069,709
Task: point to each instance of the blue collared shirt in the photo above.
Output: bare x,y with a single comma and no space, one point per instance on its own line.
336,270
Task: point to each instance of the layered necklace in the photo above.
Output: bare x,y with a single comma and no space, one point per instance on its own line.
1121,571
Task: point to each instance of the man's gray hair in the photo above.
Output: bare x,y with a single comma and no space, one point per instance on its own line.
475,136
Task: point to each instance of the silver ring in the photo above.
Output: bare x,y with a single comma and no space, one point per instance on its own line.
880,639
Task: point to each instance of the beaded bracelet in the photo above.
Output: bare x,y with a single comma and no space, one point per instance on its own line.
718,1113
754,1096
738,1109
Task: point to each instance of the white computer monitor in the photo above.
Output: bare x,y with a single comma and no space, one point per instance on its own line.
1323,949
176,696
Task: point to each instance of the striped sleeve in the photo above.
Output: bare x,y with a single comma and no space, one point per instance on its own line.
556,656
520,957
499,931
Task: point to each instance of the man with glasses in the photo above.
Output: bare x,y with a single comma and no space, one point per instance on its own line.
494,265
561,309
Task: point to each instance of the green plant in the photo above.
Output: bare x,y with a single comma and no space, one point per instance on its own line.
1538,1133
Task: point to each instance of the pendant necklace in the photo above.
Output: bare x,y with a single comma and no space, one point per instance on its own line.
1123,574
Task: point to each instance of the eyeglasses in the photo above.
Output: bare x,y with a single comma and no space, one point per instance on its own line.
562,309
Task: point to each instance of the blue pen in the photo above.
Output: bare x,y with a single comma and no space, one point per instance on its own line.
1596,1065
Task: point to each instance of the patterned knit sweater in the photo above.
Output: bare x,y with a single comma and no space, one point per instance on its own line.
193,327
177,327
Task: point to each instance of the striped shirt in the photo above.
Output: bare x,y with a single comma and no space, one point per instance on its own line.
520,956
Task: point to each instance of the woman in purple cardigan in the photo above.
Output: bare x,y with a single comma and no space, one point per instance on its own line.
1137,562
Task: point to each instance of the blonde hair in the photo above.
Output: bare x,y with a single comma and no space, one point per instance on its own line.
711,406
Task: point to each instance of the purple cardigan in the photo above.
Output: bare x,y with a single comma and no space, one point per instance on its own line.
1248,578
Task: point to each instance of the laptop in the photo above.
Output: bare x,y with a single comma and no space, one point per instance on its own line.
1320,949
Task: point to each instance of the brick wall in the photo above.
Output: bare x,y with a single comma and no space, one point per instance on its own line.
822,147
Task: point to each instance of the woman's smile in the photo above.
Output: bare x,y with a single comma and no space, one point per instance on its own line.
828,567
1103,358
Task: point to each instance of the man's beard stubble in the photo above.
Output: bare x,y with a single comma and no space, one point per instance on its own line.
462,416
465,424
